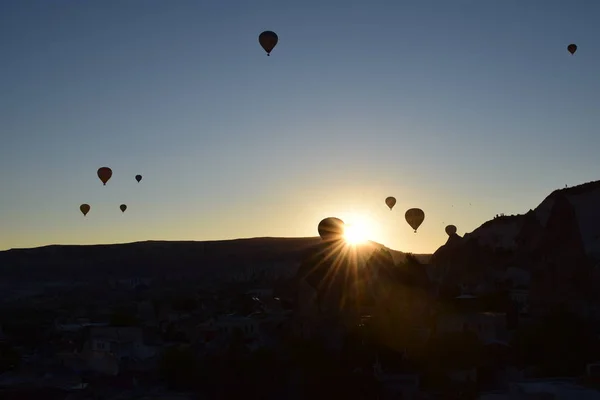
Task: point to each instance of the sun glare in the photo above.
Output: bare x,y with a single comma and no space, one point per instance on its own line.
353,235
357,232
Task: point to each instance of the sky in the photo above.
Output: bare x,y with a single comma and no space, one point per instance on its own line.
465,109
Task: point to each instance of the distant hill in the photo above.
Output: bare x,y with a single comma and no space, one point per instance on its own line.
158,257
557,244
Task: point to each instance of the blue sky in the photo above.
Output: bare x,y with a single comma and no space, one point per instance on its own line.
464,108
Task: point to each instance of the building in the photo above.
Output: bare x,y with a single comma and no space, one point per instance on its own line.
489,327
521,298
120,342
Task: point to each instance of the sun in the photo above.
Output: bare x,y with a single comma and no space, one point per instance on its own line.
354,235
357,231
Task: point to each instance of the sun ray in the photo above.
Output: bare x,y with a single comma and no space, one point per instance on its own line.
343,257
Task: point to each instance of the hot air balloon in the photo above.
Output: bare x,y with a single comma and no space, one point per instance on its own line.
85,208
331,228
451,230
123,207
138,178
391,202
268,40
572,48
104,174
415,217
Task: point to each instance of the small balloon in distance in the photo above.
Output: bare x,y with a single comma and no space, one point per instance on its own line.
450,230
390,202
268,40
84,208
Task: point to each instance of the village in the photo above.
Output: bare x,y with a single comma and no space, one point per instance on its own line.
143,338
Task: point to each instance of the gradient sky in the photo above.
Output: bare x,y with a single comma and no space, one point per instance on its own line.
463,108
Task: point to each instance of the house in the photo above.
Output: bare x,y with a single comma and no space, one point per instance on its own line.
330,331
262,329
273,327
397,385
120,342
551,389
521,298
58,378
108,348
263,293
489,327
146,313
229,323
130,283
76,325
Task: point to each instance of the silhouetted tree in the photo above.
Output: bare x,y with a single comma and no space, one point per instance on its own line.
172,334
184,304
455,350
178,367
496,301
10,358
122,317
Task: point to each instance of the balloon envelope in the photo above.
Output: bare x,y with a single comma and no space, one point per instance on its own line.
391,202
451,230
104,173
268,40
84,208
138,178
331,228
123,207
415,217
572,48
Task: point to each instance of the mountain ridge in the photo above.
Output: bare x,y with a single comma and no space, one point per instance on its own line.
157,257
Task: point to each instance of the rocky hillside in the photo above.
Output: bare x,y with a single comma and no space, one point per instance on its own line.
557,244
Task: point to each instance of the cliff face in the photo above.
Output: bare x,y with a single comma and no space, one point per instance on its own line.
558,243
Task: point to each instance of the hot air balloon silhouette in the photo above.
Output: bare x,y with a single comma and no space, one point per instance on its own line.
84,208
123,207
138,178
572,48
331,229
104,173
451,230
391,202
268,40
415,217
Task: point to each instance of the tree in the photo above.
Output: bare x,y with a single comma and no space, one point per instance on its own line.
123,318
10,358
178,367
455,350
184,304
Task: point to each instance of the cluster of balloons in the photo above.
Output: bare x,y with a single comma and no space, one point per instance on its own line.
332,228
329,227
104,174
